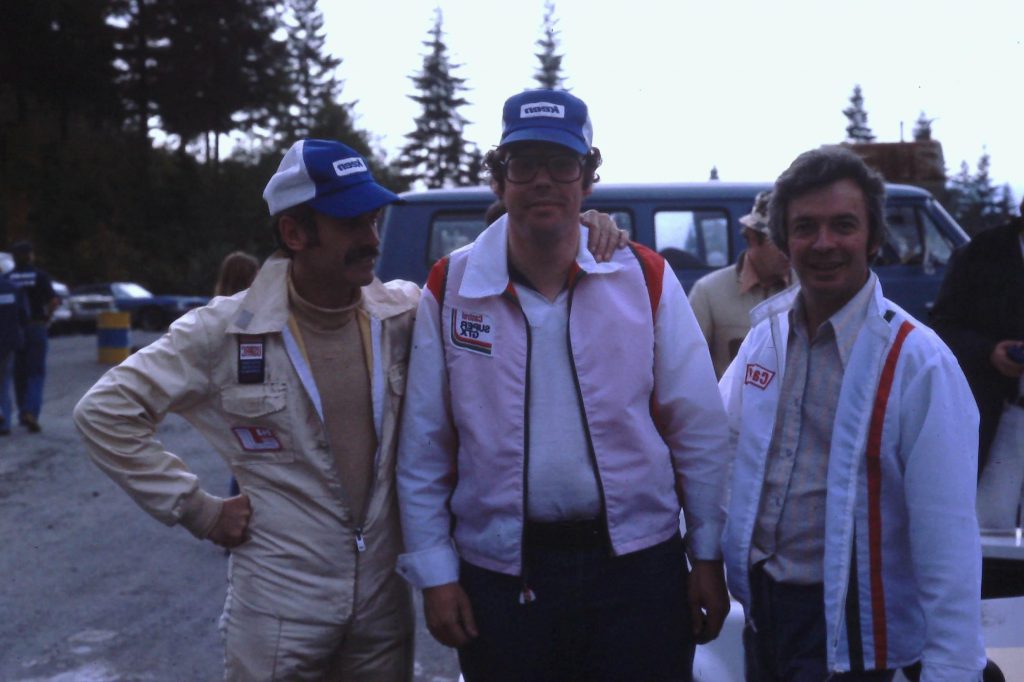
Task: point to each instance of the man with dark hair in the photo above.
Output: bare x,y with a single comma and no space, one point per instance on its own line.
30,360
722,299
297,383
851,538
559,413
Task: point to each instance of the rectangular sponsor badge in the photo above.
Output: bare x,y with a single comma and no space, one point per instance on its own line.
251,361
473,332
256,438
758,376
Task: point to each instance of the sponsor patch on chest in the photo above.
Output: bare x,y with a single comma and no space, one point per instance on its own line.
758,376
256,438
472,331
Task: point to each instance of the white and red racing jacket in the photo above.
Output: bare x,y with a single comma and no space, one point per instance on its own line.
902,565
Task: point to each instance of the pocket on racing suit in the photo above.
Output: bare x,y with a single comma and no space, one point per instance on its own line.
260,422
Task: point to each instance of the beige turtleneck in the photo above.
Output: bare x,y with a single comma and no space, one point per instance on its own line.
333,345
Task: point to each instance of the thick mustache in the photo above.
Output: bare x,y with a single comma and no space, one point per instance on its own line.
361,253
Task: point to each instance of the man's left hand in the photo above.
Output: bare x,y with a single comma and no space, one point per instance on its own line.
605,236
709,600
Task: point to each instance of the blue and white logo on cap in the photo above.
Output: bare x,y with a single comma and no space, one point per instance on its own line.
542,109
345,167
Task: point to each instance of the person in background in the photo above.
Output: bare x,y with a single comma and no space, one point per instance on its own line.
14,316
30,361
722,300
851,538
559,413
236,272
979,312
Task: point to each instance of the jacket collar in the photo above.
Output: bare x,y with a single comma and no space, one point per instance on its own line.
487,266
264,308
783,302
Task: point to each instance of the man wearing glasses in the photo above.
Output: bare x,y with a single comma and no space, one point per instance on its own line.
559,413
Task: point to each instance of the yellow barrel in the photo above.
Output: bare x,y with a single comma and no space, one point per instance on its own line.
113,337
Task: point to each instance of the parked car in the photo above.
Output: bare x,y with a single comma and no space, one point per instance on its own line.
60,322
78,312
149,311
695,226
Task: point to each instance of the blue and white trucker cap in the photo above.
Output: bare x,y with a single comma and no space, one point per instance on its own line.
547,116
331,177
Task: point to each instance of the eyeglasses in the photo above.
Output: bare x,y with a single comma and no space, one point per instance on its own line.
561,168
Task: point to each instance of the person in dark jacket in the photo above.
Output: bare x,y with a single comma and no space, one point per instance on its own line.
13,318
30,360
979,313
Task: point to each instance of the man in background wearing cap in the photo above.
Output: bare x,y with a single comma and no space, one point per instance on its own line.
30,360
297,383
722,300
558,413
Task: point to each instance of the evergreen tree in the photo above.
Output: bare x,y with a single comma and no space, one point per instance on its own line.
1007,205
315,85
436,152
549,73
56,55
976,203
923,128
857,131
223,68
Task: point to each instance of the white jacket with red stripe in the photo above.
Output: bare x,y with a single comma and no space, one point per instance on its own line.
901,489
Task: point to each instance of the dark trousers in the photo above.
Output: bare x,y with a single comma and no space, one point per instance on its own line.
789,635
595,617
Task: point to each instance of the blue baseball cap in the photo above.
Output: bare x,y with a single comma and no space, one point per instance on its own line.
329,176
547,116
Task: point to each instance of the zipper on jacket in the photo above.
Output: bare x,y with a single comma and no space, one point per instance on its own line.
360,543
526,594
583,414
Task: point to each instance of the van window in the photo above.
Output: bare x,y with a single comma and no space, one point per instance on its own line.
937,245
692,239
914,239
449,231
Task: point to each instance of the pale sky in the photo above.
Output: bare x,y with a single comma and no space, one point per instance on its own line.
675,88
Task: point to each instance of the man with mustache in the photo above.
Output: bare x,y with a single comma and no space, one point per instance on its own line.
851,538
559,414
297,382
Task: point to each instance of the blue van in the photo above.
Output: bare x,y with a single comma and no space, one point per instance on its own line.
695,226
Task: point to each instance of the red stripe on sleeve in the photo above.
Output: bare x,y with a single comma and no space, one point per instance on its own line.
436,278
653,267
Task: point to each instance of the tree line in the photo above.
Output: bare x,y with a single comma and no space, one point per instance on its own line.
112,114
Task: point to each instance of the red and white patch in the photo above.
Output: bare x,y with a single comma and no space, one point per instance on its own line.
473,331
758,376
250,351
256,438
